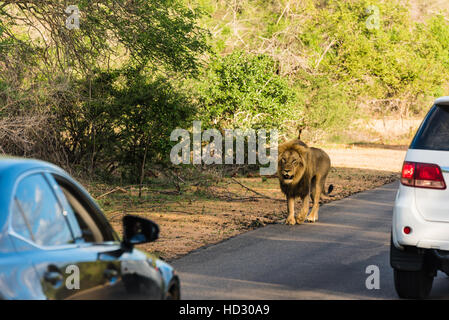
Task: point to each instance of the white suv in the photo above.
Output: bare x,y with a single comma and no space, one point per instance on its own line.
420,232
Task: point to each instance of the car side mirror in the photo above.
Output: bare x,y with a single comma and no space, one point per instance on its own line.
138,230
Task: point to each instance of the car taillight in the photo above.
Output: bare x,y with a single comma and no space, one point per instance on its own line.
422,175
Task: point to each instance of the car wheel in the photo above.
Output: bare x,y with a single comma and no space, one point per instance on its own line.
413,284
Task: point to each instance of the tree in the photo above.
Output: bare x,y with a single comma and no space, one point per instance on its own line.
146,33
98,86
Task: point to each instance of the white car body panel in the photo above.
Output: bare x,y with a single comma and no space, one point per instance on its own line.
425,211
432,204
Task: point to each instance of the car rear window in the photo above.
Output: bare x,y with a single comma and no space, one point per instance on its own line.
434,131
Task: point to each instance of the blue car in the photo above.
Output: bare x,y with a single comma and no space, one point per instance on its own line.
55,242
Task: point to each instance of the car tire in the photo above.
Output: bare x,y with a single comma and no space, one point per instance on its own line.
413,284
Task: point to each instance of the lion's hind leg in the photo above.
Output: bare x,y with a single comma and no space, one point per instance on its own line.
313,188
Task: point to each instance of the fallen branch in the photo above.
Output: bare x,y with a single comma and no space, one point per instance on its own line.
254,191
238,199
112,191
117,215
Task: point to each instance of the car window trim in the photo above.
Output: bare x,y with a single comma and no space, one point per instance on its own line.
48,175
83,214
90,208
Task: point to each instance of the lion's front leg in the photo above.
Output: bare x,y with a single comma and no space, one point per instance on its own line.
290,211
304,210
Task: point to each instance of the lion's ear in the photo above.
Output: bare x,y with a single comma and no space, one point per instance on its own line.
281,149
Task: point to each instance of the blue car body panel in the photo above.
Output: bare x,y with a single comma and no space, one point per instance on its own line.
25,267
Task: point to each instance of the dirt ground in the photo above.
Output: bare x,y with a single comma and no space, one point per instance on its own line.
203,215
388,158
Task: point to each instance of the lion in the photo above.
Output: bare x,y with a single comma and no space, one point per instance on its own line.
302,172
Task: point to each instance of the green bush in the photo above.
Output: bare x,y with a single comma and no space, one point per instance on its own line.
400,62
339,68
149,112
243,90
126,116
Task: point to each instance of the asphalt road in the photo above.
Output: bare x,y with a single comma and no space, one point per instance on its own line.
325,260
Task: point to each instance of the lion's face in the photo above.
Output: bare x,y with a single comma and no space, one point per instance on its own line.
291,166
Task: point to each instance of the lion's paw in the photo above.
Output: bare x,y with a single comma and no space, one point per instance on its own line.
311,220
299,220
290,221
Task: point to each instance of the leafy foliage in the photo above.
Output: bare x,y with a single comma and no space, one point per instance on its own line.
105,97
339,67
245,91
107,91
160,33
125,115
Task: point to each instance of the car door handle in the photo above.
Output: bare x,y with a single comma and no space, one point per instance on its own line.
110,274
54,278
